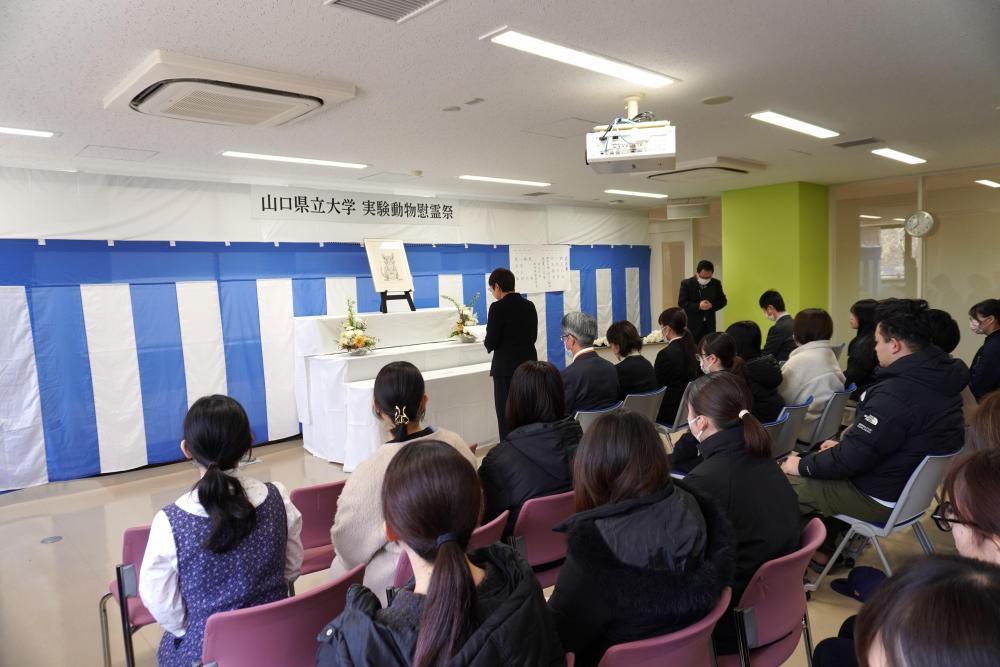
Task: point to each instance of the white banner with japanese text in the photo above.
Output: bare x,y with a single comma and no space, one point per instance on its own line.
278,203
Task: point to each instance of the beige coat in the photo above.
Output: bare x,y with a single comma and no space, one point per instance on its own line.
357,534
811,370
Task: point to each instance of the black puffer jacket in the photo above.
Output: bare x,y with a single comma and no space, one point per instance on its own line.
763,376
533,460
861,362
517,631
640,568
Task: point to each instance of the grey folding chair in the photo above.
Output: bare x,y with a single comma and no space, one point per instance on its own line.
910,508
588,417
832,418
838,350
775,428
680,419
796,415
647,404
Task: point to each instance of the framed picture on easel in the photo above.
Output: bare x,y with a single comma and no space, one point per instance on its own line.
390,271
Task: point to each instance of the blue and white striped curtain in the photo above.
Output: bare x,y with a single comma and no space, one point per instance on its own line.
102,349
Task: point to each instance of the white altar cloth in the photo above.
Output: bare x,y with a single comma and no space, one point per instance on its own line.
649,350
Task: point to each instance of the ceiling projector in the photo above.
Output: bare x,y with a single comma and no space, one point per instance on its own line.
635,143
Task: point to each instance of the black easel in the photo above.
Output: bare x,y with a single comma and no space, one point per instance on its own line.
386,298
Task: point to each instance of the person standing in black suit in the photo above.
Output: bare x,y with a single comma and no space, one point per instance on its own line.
700,296
511,331
780,341
591,381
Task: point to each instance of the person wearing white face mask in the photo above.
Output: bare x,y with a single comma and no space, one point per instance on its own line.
701,296
984,319
780,340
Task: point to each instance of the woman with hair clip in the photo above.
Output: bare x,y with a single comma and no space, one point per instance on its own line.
738,473
482,609
357,535
675,364
645,556
235,539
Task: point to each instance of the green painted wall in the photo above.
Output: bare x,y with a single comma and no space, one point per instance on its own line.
775,236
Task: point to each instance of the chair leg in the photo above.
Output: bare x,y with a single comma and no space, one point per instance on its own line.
743,644
105,641
881,555
807,636
925,542
814,585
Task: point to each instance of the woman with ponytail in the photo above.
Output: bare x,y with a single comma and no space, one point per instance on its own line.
357,535
461,609
734,351
675,364
235,539
738,473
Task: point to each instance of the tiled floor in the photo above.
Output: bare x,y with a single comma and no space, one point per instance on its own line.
49,592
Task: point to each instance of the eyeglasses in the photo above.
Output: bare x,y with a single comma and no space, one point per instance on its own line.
944,517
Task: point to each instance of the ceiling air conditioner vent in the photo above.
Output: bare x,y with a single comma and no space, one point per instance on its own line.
186,88
396,10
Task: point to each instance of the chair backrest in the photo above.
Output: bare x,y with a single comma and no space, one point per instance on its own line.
830,420
134,545
775,598
691,646
920,488
534,526
318,505
774,428
278,633
647,404
680,419
588,417
786,438
838,350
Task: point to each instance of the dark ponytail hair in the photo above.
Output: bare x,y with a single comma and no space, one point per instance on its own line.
722,397
723,346
399,391
432,501
677,319
864,312
217,434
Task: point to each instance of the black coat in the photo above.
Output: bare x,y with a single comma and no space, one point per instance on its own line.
763,376
511,331
985,372
516,631
591,383
914,409
861,362
701,322
674,370
639,568
635,376
761,506
533,460
780,341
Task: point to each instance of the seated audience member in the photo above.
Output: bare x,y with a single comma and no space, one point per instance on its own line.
645,556
945,334
482,609
739,352
812,368
676,364
914,410
231,542
357,533
984,319
861,360
536,457
635,373
984,427
780,341
738,473
591,382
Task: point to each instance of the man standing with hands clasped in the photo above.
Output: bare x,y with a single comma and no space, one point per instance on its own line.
700,296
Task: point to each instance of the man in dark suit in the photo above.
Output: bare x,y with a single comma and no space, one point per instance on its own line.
780,341
700,296
591,381
511,331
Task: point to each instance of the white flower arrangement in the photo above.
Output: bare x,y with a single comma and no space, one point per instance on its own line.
352,332
600,342
655,336
466,317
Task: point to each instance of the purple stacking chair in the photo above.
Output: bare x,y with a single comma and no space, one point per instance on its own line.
533,536
771,615
318,505
690,646
483,536
278,633
134,614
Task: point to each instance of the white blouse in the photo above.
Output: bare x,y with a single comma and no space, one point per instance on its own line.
158,577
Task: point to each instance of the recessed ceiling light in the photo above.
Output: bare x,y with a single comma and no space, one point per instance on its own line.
589,61
296,160
717,99
870,217
44,134
632,193
509,181
988,183
790,123
899,156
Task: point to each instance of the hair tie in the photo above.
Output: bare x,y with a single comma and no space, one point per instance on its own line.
400,417
743,413
445,537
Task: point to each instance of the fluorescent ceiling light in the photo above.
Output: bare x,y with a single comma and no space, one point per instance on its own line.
44,134
899,219
296,160
632,193
870,217
589,61
898,155
988,183
790,123
510,181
